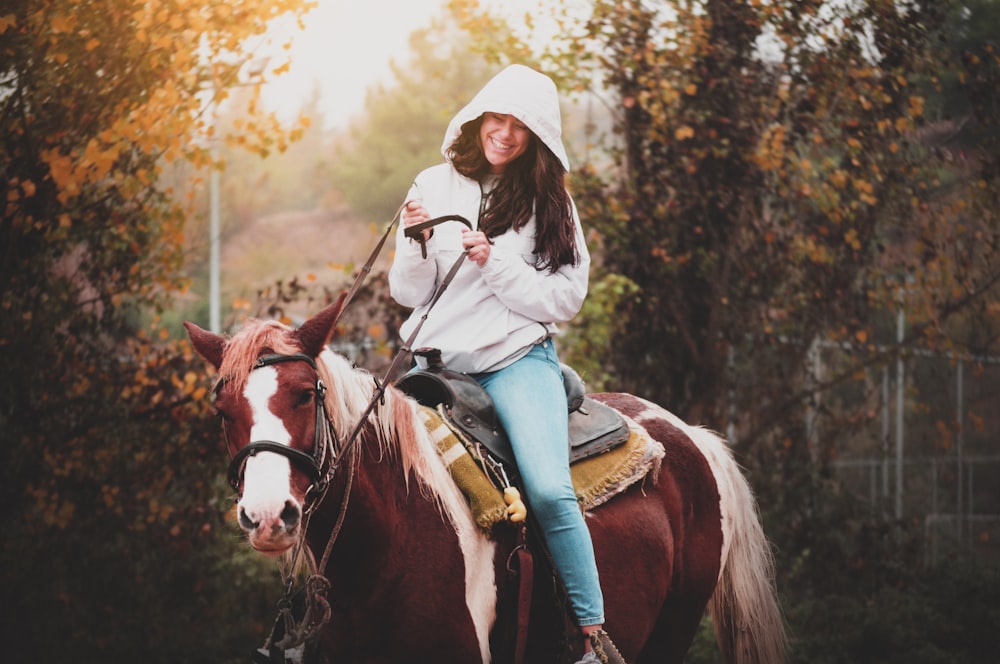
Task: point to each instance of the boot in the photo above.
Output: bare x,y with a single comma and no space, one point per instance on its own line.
604,650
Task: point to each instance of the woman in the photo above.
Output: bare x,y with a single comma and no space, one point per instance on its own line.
527,270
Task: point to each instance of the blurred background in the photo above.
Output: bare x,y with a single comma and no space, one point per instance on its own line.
793,208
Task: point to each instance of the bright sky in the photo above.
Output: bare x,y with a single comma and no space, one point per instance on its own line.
345,48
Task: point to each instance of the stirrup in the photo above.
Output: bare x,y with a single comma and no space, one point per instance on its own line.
604,648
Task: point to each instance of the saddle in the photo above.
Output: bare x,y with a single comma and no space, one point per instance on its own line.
594,428
454,406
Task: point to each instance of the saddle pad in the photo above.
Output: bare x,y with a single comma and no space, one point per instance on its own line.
596,479
486,501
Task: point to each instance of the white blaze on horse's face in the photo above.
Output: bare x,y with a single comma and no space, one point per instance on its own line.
268,511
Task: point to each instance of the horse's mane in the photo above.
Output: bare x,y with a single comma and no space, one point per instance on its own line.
399,432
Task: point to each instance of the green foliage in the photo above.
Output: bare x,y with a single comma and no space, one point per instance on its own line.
595,328
295,177
404,125
856,583
971,32
855,587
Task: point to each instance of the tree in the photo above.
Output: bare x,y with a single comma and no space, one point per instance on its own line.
404,125
113,523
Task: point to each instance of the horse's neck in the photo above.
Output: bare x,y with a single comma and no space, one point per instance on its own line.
382,511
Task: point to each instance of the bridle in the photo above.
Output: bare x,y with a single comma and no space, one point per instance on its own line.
319,465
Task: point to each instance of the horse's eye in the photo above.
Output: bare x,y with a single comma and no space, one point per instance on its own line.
305,397
222,415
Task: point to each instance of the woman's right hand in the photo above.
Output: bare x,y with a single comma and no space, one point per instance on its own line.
414,213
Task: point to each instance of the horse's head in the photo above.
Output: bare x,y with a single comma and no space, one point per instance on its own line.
270,398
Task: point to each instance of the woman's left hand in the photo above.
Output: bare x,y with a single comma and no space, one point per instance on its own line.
478,245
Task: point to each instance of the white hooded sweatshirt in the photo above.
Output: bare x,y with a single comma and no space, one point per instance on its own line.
489,316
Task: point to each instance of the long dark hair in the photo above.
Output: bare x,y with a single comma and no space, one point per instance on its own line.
534,182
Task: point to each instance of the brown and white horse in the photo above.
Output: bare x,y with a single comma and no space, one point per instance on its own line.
412,578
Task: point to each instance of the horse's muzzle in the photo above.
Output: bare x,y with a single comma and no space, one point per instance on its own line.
271,532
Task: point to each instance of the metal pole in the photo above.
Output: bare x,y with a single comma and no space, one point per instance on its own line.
885,432
812,433
255,76
959,441
934,486
873,483
731,397
213,278
900,324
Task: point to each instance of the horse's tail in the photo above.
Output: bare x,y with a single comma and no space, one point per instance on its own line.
749,626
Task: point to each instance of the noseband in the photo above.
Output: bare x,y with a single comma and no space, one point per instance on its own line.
319,465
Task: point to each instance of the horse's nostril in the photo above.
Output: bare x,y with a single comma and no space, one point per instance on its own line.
291,514
246,522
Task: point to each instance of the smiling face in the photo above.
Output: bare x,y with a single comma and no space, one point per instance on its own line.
504,138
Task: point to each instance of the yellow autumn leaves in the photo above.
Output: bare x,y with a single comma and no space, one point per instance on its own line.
171,56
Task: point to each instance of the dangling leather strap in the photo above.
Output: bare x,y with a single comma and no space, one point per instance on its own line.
526,568
415,232
367,267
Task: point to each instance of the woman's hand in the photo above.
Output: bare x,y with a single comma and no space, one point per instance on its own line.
478,245
415,213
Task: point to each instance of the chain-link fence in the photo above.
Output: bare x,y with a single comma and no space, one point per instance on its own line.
928,448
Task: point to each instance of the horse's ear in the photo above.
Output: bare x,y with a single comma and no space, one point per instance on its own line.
208,344
316,332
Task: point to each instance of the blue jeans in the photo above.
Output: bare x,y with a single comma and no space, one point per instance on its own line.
530,403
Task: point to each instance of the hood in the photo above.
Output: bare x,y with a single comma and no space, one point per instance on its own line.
529,96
